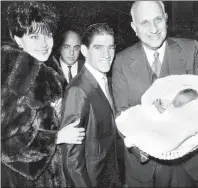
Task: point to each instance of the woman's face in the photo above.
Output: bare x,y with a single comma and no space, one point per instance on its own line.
37,45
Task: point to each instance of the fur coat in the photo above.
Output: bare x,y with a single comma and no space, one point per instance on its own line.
29,121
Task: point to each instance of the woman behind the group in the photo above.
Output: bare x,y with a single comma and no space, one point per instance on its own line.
32,89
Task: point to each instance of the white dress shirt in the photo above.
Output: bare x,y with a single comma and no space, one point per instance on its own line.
74,69
150,53
98,76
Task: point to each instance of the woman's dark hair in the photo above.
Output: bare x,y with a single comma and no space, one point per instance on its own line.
96,29
31,17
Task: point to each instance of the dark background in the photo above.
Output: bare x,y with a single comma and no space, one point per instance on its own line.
78,15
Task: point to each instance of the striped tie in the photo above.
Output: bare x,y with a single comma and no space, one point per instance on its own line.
156,66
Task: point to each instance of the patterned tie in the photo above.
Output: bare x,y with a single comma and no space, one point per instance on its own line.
107,94
69,73
156,66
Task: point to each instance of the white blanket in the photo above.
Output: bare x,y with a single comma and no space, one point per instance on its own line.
176,130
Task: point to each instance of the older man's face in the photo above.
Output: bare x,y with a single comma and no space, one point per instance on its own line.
70,48
150,24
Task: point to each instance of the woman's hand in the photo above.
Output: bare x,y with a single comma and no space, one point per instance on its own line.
70,134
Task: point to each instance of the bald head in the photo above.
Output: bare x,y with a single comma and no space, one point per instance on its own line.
149,23
71,35
137,7
70,48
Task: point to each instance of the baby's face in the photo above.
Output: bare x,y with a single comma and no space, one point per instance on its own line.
182,99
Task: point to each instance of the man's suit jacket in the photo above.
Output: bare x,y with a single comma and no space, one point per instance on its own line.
132,76
80,65
93,163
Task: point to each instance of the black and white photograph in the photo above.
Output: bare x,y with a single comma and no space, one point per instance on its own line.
99,94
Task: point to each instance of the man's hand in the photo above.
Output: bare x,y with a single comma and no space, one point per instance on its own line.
141,156
70,134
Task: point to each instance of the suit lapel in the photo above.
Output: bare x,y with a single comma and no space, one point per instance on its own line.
174,57
165,64
80,65
111,92
139,68
176,60
95,86
62,73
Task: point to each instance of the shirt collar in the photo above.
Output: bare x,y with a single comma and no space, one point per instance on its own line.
63,64
97,74
150,52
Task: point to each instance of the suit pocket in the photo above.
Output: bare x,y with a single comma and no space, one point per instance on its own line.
94,151
143,172
191,166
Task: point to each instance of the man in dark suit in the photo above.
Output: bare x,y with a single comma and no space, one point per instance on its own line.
69,51
94,162
134,71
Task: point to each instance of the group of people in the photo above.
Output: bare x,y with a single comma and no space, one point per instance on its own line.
58,113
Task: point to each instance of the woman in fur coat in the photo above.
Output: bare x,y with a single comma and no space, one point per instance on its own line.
32,89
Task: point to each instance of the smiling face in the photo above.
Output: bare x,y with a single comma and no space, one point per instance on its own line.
149,23
70,48
100,52
38,44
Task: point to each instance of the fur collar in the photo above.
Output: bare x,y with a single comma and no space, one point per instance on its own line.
40,83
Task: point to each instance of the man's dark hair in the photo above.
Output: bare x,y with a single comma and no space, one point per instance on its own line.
96,29
31,17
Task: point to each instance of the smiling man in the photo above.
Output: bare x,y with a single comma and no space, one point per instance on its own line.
134,71
94,162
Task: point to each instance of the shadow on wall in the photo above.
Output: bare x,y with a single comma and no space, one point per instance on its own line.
78,15
185,19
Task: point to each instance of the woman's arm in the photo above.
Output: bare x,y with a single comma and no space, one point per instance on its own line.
28,143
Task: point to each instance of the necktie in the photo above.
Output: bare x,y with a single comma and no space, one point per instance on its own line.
107,93
156,66
69,73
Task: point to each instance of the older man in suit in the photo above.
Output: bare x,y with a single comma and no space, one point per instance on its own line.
94,162
134,70
69,51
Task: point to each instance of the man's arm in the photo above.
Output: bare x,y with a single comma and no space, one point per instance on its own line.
121,100
75,106
119,87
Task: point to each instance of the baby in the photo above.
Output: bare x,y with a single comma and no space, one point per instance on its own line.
182,98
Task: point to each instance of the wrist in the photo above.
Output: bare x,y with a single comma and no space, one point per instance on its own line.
58,139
